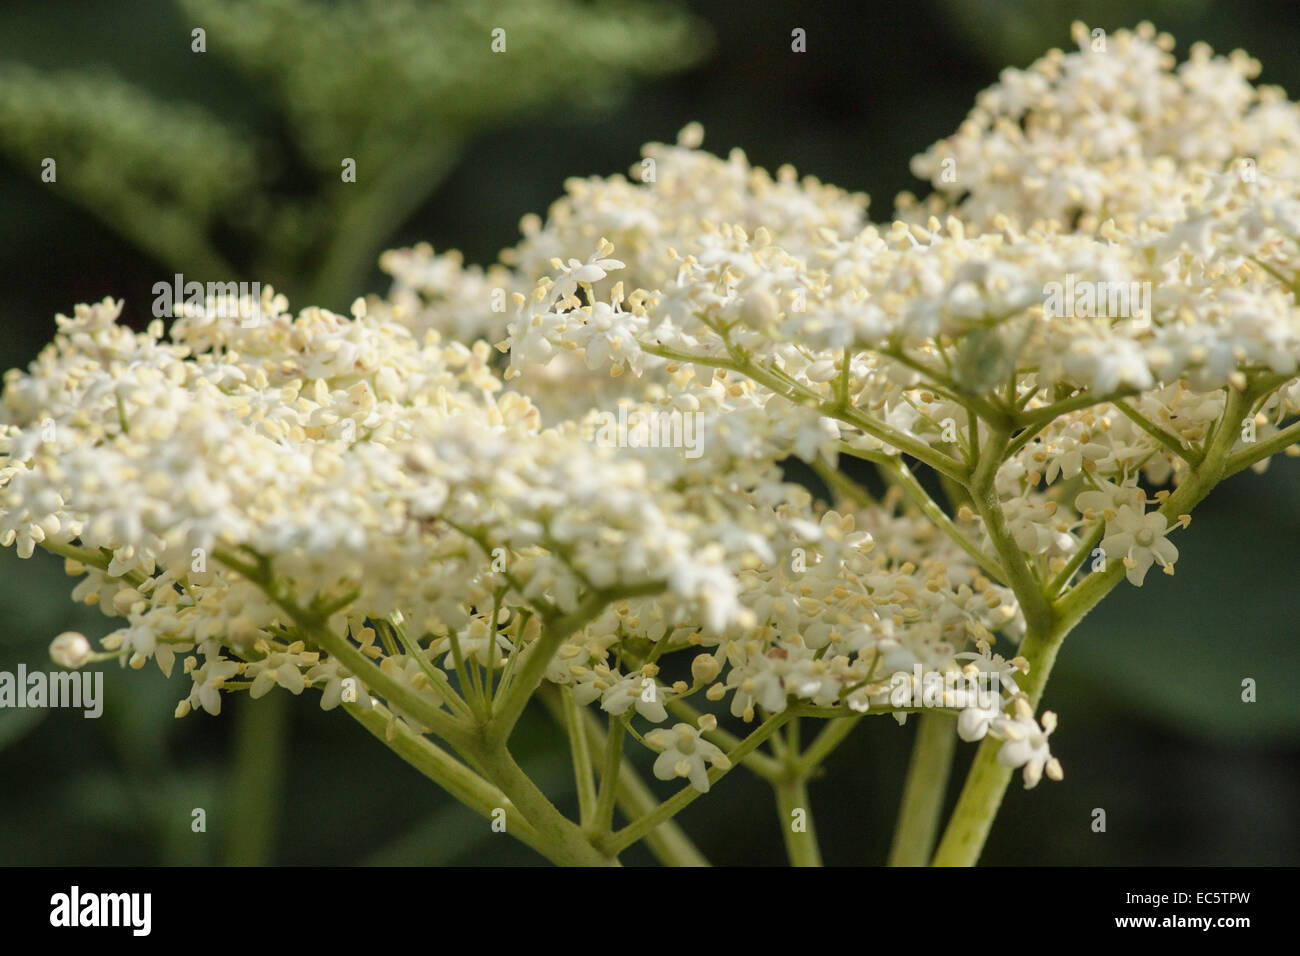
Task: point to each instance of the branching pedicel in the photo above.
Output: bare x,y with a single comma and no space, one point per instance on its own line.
365,506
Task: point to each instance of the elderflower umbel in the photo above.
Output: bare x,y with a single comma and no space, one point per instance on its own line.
407,508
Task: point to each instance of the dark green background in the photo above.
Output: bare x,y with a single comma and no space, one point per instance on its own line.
1152,728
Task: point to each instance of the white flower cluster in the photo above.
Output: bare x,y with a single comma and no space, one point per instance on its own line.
1114,131
352,456
216,482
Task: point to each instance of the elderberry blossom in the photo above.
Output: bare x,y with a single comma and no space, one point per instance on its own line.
683,752
419,509
1139,540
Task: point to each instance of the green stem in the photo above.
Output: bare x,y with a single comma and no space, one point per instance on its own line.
257,780
1084,399
92,559
1058,583
570,844
419,707
583,772
801,395
603,822
449,774
535,820
983,489
949,389
433,673
899,474
986,783
517,689
794,807
1169,441
923,793
830,737
473,701
314,627
1251,454
669,844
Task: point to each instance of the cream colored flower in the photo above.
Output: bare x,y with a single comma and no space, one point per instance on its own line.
683,752
1139,540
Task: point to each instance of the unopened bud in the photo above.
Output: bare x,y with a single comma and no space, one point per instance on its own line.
70,650
705,668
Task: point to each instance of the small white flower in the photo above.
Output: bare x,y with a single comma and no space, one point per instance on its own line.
632,691
329,676
208,681
973,722
683,752
1025,744
575,273
276,668
1109,497
1139,540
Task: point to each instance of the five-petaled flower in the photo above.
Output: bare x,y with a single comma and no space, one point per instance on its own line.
1139,540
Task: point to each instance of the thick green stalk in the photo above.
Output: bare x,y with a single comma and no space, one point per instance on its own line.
570,845
987,781
1258,452
257,779
449,774
923,793
794,807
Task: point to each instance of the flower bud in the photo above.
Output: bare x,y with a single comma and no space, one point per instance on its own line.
70,650
705,668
